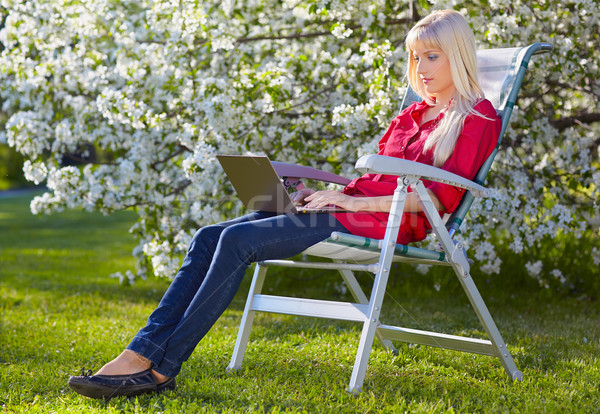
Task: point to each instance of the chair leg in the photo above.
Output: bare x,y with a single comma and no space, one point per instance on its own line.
458,260
369,330
379,285
247,318
490,326
362,356
360,297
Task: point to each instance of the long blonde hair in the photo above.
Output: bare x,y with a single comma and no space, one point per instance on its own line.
448,31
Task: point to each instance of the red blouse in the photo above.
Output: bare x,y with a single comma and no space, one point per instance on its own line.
406,139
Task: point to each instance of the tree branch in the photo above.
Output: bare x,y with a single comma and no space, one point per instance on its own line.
309,99
585,118
179,189
179,151
389,22
283,37
563,85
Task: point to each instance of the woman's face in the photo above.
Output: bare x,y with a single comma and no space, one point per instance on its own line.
433,68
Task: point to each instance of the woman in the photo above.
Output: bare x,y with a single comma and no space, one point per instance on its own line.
454,128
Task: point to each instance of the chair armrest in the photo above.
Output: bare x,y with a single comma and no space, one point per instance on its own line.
284,169
381,164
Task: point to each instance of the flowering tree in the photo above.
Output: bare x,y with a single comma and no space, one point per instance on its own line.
123,104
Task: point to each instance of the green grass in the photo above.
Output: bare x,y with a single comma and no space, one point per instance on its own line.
60,311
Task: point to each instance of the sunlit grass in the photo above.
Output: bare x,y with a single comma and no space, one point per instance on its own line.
61,311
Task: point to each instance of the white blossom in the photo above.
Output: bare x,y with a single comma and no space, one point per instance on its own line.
534,269
35,172
340,31
147,93
558,275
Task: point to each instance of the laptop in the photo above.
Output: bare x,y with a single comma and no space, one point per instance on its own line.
259,187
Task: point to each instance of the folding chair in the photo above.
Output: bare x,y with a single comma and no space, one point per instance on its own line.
501,73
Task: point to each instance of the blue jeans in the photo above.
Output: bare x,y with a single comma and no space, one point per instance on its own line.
211,274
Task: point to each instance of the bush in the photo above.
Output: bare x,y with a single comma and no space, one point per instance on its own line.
157,90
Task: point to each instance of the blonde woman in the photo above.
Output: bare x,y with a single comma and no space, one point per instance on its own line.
453,128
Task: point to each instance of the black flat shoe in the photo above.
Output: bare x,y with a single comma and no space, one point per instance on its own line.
109,386
168,385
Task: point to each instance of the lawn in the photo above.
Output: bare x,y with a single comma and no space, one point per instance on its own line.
60,311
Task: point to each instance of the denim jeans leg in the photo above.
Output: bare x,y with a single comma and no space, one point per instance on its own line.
240,245
151,340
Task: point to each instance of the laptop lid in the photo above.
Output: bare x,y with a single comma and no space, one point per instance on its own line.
256,183
259,187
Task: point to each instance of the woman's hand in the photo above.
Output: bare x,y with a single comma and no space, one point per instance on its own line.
374,204
330,197
299,197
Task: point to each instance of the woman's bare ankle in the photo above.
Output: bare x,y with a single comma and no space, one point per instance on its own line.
158,377
128,362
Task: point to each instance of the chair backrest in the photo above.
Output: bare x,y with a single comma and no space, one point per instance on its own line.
501,73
